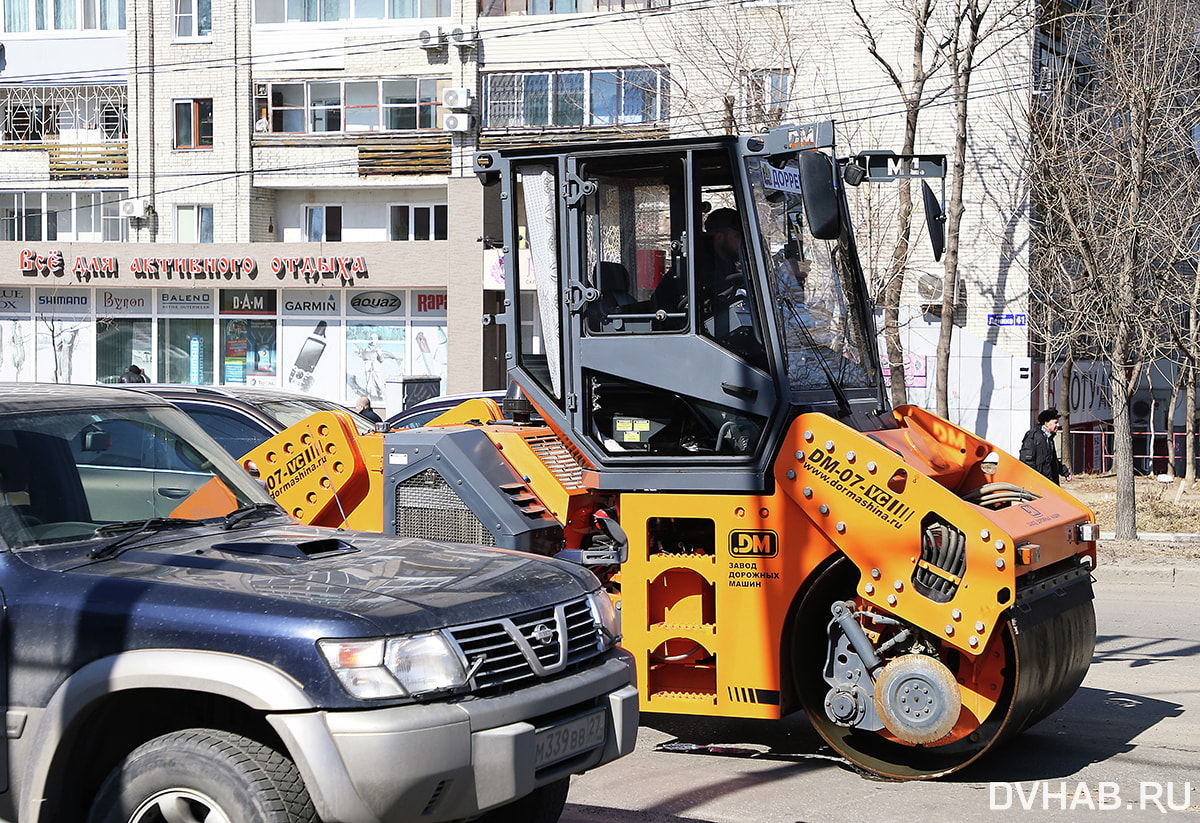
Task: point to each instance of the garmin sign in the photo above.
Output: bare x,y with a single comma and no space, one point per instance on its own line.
377,302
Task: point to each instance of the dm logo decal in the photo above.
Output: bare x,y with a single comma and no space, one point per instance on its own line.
754,544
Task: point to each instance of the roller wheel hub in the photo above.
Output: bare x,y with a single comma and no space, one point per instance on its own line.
917,699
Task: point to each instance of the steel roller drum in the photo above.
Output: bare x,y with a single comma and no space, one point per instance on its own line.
1044,654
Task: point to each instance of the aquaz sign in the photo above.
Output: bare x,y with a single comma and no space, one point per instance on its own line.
376,302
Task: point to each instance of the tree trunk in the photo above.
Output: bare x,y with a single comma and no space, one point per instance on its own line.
1123,450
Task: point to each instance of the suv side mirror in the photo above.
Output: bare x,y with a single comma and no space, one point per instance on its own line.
820,195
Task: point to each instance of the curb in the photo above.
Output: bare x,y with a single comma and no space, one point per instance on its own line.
1157,537
1157,575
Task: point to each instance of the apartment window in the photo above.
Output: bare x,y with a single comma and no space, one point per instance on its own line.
320,11
418,223
575,98
194,124
323,224
193,224
114,121
28,123
499,8
193,18
62,216
766,95
323,106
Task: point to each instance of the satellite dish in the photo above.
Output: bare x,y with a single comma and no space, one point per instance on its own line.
935,220
929,287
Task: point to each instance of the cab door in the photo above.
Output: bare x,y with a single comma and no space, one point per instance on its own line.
665,349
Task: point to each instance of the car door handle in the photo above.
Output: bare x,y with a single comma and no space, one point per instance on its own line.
173,493
745,392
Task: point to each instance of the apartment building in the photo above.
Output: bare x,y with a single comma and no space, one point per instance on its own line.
279,191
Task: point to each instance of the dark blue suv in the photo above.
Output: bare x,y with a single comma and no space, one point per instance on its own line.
177,648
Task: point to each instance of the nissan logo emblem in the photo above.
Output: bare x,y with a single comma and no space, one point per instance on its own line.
542,634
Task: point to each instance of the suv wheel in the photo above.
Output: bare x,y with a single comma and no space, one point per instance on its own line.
203,776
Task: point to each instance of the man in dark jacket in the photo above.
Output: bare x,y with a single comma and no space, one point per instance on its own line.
1037,449
134,375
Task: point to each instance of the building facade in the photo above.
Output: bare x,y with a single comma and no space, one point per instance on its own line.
280,192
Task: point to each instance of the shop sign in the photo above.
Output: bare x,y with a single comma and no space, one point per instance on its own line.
248,301
429,304
84,269
113,302
377,302
14,301
316,269
63,301
310,301
185,301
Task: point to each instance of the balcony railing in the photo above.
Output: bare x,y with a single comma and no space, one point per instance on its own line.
88,161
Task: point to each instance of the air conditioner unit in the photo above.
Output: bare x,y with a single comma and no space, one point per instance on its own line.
464,38
456,121
456,98
133,209
432,38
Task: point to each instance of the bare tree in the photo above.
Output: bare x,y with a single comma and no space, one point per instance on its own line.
926,62
1114,176
977,31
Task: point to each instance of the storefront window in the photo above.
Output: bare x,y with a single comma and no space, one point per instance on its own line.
374,355
249,351
185,350
121,342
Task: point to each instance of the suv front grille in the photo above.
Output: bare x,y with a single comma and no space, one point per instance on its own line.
520,650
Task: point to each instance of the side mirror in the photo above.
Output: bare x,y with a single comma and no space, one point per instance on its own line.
935,221
96,440
820,196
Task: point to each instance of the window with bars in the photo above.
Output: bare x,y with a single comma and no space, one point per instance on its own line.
62,15
193,19
194,124
322,106
324,11
575,98
499,8
74,114
417,222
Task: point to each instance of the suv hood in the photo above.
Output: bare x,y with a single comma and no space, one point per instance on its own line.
390,581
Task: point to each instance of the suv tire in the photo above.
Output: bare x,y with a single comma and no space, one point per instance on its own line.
203,775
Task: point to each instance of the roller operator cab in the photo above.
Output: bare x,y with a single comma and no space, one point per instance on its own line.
691,321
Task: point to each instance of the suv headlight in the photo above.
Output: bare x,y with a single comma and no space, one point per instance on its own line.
607,618
394,667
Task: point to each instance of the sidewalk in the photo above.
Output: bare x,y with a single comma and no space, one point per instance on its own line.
1173,571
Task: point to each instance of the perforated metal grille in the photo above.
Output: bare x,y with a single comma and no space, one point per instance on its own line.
514,652
427,507
558,459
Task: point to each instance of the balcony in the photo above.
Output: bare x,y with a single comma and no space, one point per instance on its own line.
89,161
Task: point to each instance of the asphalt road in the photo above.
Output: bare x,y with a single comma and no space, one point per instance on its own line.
1125,747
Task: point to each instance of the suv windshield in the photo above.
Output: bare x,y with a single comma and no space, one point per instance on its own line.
72,475
813,284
